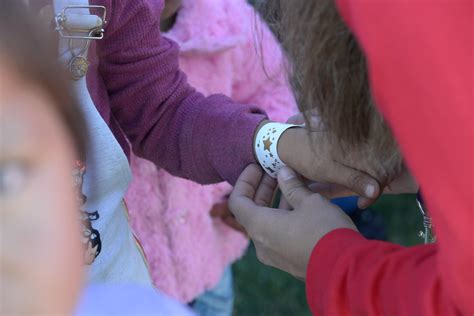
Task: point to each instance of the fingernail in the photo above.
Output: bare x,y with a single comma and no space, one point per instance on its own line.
370,191
287,174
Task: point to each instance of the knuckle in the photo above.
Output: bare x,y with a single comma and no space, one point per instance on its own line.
269,185
293,190
262,201
356,180
291,193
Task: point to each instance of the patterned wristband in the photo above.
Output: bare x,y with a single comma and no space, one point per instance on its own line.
266,145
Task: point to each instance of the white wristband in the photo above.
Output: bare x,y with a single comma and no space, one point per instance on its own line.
266,147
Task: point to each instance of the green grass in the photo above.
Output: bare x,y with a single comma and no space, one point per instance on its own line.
402,218
261,290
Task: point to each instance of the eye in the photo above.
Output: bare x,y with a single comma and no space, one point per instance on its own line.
13,175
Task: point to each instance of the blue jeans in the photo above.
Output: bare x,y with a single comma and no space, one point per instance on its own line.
218,301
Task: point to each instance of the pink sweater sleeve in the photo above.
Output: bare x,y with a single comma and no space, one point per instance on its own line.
203,139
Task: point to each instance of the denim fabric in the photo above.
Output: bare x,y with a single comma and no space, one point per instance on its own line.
218,301
348,204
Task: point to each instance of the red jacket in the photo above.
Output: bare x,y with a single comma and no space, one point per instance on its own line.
420,56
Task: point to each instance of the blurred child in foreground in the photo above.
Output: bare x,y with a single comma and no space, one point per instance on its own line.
42,134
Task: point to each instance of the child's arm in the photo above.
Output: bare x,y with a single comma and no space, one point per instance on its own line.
167,121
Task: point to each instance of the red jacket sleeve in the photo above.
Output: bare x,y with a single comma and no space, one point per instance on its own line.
420,56
167,121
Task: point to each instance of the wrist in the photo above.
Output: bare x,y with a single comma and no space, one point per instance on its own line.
286,146
266,144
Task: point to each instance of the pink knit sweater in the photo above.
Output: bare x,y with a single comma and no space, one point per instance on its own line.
222,44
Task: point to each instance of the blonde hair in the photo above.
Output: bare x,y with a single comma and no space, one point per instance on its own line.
329,75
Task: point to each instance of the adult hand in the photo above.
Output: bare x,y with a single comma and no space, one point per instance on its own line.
284,239
403,183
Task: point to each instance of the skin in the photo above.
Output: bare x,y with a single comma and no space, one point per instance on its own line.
318,166
337,173
285,237
41,254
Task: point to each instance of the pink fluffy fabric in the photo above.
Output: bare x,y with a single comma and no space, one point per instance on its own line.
225,48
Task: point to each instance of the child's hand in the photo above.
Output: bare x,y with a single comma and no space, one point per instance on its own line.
284,239
221,210
309,154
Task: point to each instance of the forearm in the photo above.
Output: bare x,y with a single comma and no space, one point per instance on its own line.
167,121
206,140
217,137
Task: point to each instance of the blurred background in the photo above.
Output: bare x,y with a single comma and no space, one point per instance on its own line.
261,290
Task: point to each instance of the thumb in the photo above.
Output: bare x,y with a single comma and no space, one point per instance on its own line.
294,190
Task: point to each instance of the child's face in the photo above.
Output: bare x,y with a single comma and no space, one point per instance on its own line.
41,255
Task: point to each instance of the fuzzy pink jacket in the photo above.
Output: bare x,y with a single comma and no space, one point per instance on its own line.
223,43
